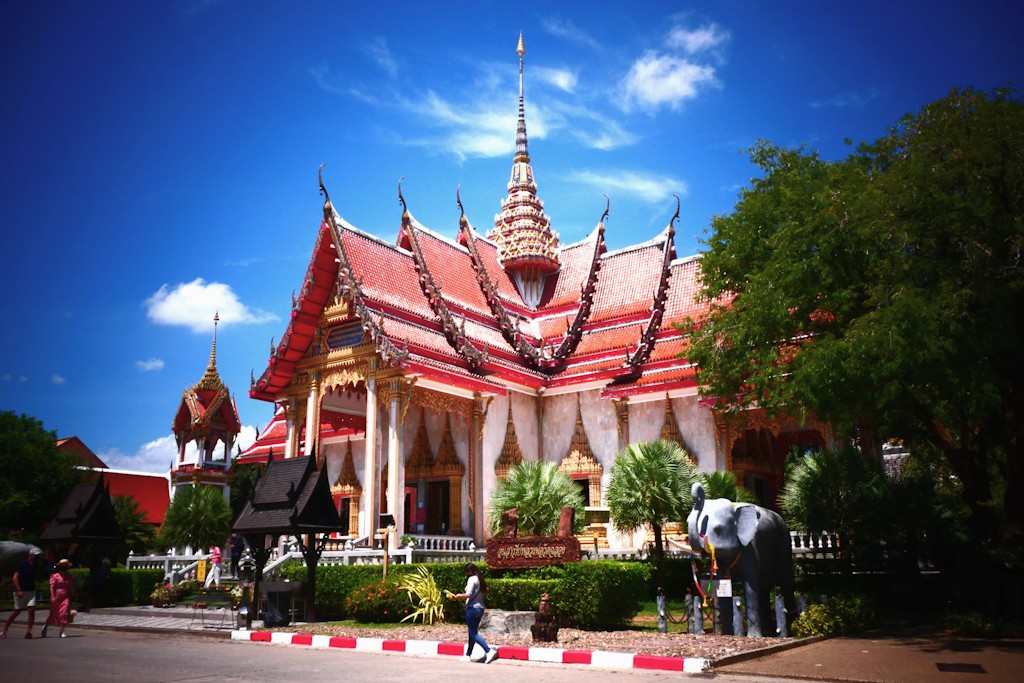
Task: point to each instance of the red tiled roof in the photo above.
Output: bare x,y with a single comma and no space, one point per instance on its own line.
389,287
150,491
627,283
684,288
75,447
564,287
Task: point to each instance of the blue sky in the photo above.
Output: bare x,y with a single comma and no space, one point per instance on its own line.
161,160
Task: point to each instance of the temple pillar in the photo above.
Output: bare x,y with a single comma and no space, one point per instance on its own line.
477,516
292,441
369,527
312,416
395,497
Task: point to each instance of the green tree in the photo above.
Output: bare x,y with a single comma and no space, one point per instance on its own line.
243,484
723,484
35,477
650,486
197,517
884,293
139,536
833,490
538,492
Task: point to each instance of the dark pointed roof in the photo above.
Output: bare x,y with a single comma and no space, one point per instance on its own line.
292,497
86,515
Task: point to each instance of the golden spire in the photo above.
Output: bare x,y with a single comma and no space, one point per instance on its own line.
211,379
521,46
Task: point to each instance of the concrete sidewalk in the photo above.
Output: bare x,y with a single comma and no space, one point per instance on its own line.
924,656
214,622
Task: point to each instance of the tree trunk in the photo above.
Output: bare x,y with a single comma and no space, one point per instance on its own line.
659,552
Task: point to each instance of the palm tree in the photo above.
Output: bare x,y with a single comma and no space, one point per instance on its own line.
723,484
538,492
197,517
650,485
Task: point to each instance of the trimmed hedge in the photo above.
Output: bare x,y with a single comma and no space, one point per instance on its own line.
123,587
518,594
591,593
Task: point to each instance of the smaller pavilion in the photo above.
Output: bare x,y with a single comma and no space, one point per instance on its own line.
292,498
85,524
207,416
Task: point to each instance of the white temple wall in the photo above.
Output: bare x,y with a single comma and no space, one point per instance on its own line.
696,424
524,415
494,438
602,430
460,435
559,423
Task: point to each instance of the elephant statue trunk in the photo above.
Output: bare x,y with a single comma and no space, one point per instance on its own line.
747,543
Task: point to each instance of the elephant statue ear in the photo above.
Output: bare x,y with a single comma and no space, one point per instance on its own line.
697,493
746,523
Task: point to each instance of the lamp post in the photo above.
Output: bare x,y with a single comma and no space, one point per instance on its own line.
246,568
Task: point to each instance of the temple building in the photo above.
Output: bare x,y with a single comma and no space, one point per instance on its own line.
418,372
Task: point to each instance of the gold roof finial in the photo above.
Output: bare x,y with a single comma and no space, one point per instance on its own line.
520,46
210,378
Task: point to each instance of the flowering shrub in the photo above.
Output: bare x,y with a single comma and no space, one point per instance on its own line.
837,616
380,601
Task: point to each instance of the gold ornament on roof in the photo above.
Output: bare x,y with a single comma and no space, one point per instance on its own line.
511,454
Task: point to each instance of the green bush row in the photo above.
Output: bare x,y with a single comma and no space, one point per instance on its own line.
590,594
122,587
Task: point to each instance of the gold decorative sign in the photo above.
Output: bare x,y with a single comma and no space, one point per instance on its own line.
537,551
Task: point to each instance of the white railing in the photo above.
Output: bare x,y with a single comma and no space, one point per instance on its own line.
175,567
430,542
825,543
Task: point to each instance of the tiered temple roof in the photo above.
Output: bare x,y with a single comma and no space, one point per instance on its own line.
207,409
465,312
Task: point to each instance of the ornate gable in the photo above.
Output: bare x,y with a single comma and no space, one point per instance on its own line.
511,454
348,483
421,460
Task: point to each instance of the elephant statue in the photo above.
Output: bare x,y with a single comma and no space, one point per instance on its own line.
749,544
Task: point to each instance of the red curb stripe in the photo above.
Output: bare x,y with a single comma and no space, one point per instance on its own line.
342,641
576,657
302,639
657,662
514,652
260,636
456,649
394,646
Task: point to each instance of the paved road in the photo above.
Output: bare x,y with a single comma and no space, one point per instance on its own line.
91,655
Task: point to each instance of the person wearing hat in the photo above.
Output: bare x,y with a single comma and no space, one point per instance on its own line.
24,591
61,587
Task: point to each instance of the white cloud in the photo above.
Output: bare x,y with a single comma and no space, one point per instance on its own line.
322,75
853,98
647,187
150,364
380,53
563,79
57,379
700,39
656,79
22,378
193,305
565,29
158,455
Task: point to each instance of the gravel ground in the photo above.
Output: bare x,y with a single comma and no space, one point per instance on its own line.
646,642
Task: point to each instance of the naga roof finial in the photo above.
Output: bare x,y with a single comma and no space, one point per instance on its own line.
401,198
607,207
675,217
458,203
323,188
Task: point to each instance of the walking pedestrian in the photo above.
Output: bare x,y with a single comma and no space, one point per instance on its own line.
61,588
213,576
24,591
473,594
